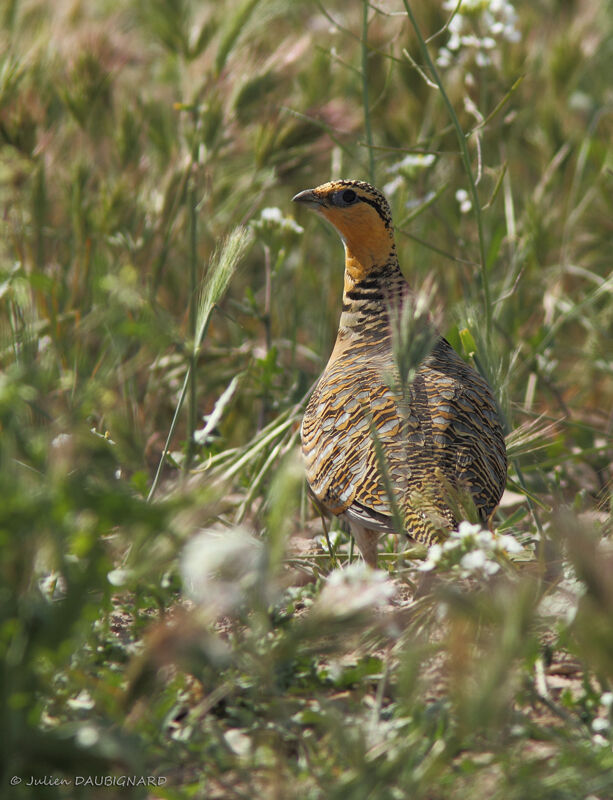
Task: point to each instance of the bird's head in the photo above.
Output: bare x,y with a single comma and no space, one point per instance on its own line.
361,215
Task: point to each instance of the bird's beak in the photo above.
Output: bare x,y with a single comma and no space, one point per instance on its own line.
308,198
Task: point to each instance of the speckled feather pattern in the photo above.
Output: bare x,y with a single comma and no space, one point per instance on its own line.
445,436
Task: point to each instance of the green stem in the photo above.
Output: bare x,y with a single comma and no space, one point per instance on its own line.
467,166
173,424
367,125
186,383
192,199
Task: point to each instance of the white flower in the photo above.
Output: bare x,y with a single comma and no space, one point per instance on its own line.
507,544
82,701
444,58
599,741
454,41
511,34
477,27
471,548
606,698
238,741
272,217
477,561
334,537
393,185
467,529
87,736
434,556
465,203
219,567
413,160
415,202
354,589
453,542
473,561
61,440
119,576
471,41
271,214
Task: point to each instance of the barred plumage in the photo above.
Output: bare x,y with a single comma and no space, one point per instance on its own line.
447,437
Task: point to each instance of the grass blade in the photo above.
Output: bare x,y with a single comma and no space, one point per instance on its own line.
223,265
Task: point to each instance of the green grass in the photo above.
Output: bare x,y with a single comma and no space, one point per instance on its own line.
167,608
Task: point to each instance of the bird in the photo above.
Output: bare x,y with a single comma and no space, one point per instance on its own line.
376,456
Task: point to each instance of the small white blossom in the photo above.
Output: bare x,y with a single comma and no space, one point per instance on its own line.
453,542
273,214
467,529
444,58
465,203
272,217
219,567
606,698
473,561
61,440
476,29
354,589
238,741
44,343
471,548
412,161
415,202
334,537
600,724
471,41
82,701
477,561
87,736
156,198
119,576
507,544
434,556
393,186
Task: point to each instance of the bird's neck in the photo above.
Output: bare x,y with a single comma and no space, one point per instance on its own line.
369,290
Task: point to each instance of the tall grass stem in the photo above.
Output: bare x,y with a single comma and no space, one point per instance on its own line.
192,200
216,280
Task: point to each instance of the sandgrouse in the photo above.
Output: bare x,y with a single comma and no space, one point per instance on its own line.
444,437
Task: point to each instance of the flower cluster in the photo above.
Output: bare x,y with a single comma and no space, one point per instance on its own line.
271,220
473,549
412,161
354,589
601,725
407,167
220,568
477,27
464,201
334,537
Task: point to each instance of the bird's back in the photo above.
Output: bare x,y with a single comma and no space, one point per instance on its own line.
443,437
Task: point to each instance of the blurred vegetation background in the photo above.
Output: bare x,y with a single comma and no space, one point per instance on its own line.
169,606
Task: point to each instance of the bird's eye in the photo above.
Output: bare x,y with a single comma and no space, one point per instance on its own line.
344,197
